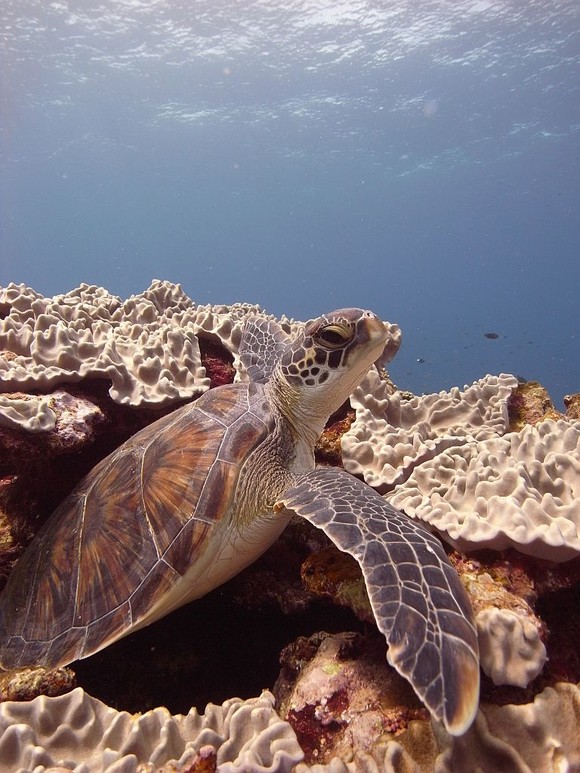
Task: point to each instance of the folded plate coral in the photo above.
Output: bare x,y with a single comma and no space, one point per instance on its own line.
147,346
510,634
449,459
70,418
392,433
326,705
520,490
510,647
79,733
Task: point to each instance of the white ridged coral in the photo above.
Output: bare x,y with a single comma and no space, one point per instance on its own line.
79,733
448,459
521,490
540,736
139,344
391,434
32,412
510,648
72,417
147,346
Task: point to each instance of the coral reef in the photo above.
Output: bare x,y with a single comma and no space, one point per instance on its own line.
493,465
77,732
510,635
449,459
333,574
329,446
346,711
340,696
538,736
572,403
510,648
521,490
26,683
392,434
351,714
148,347
530,403
69,418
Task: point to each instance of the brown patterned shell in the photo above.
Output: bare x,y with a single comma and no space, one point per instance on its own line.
131,530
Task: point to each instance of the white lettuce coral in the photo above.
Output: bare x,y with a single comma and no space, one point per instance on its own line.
510,648
147,346
521,490
391,434
79,733
449,460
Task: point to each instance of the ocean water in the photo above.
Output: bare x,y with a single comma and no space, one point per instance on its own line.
417,158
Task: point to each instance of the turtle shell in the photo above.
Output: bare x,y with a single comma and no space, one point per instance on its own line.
111,556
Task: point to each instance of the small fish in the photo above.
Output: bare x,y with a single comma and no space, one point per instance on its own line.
491,335
420,359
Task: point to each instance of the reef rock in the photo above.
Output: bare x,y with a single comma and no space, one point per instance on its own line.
340,696
352,713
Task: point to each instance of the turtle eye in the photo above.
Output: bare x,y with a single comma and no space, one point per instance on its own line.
333,336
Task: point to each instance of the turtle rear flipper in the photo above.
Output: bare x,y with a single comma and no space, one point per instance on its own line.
417,597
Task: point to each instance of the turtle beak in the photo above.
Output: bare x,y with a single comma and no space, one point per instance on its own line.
385,336
392,344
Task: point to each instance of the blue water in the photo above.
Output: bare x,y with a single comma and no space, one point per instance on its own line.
419,159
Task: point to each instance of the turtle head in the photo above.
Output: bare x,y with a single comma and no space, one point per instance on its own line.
321,367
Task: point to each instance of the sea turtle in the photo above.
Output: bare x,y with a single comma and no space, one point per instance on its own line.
195,497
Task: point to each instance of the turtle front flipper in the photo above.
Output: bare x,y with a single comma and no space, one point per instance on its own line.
417,597
263,343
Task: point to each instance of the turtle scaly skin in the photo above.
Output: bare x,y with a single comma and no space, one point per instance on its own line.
195,497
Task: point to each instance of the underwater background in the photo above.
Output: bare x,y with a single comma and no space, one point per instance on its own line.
417,158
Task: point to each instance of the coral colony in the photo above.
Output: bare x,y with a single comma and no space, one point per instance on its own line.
494,475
